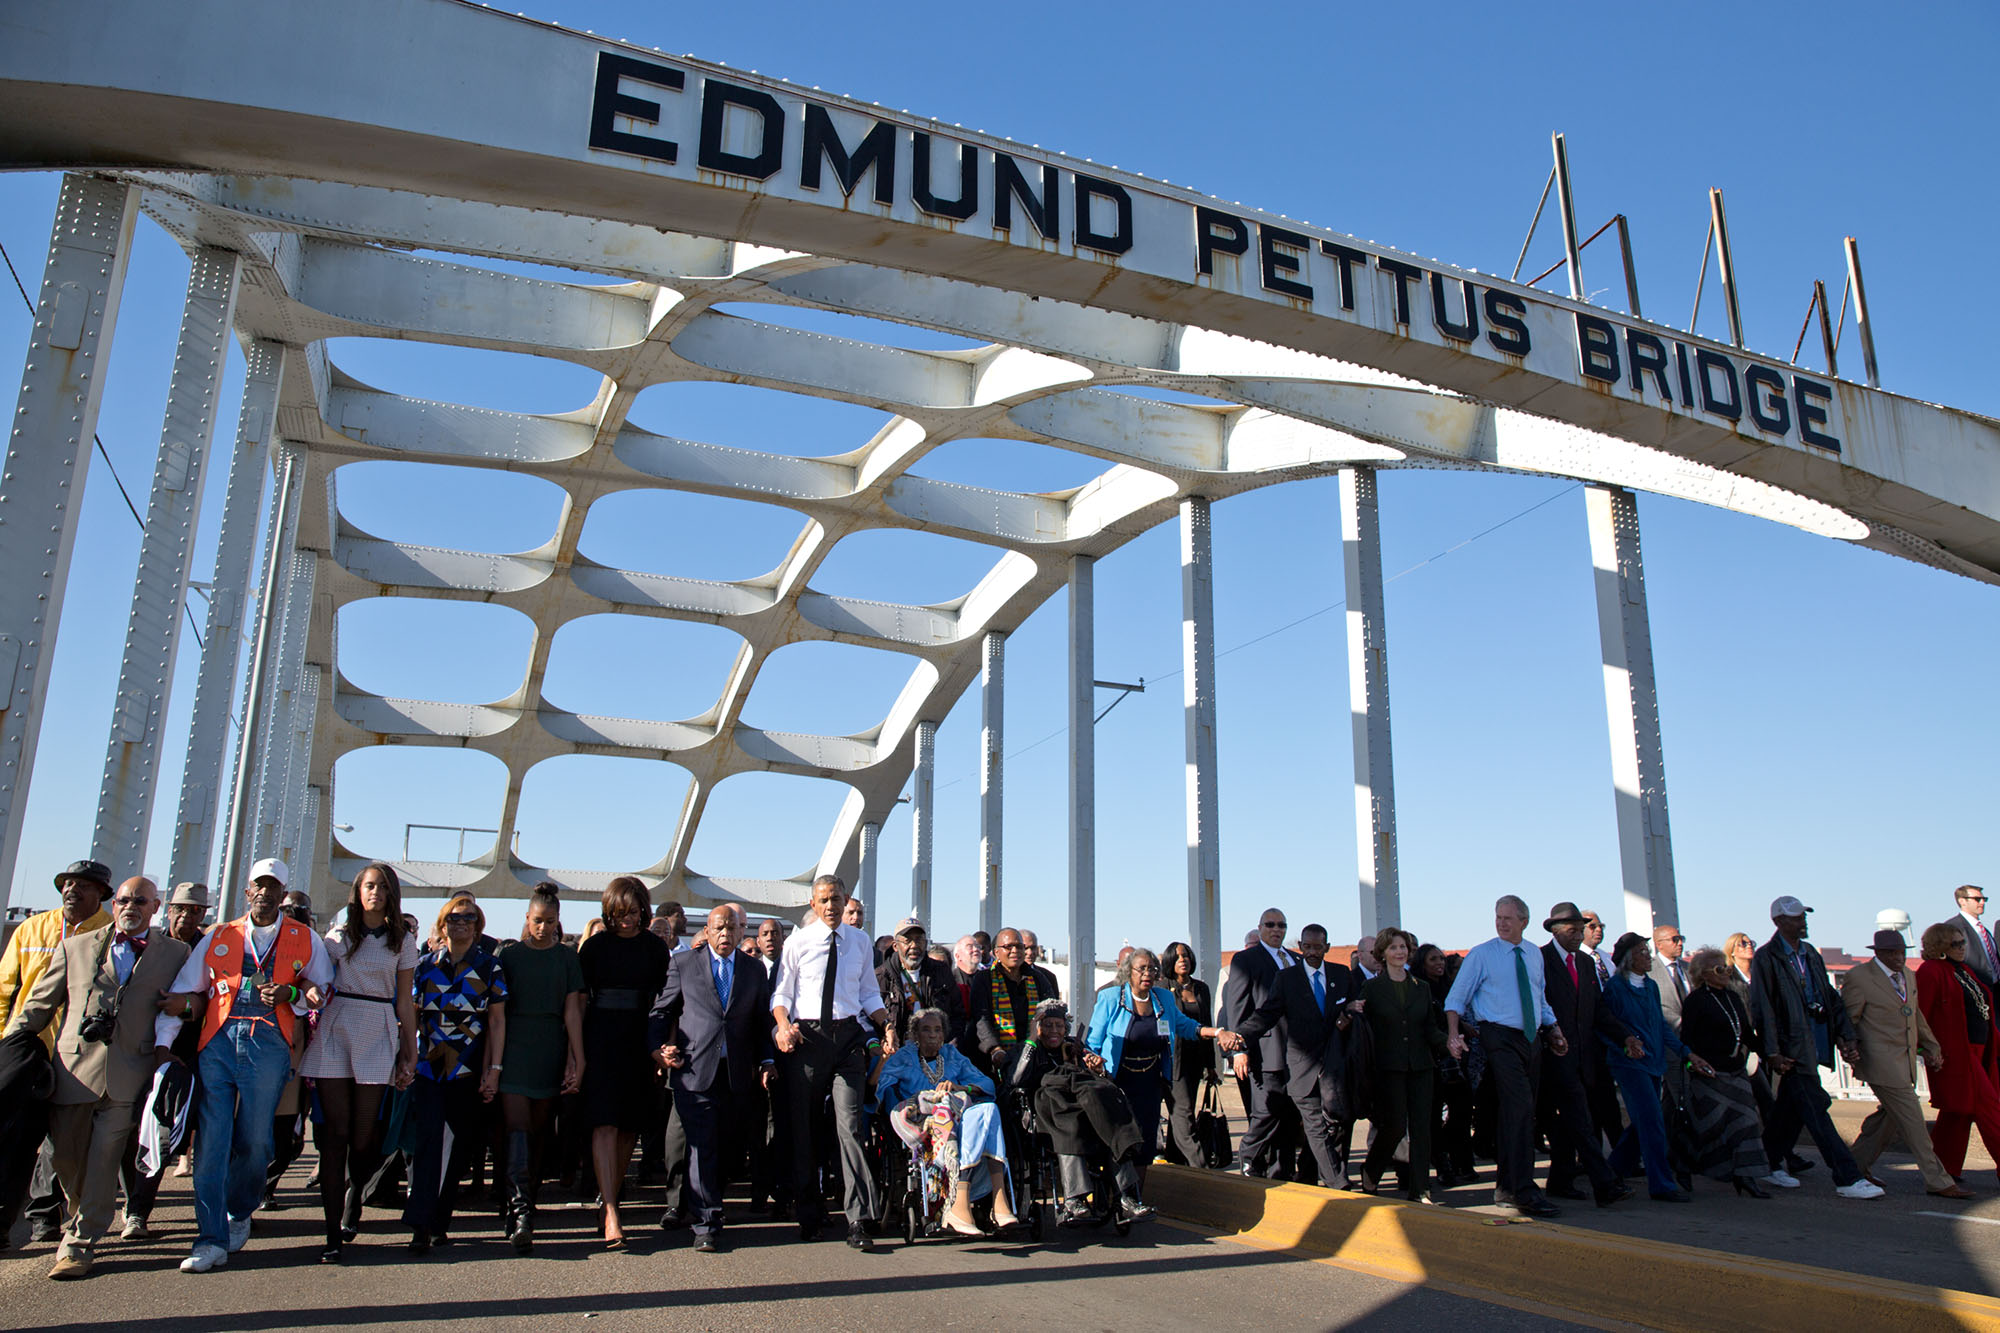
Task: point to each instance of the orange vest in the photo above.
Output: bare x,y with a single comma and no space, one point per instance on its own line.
225,958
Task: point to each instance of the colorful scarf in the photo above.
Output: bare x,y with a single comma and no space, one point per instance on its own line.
1004,1017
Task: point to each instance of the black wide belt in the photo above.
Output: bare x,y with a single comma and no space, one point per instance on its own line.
372,999
618,998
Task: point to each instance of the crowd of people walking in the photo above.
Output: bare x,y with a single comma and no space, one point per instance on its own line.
798,1060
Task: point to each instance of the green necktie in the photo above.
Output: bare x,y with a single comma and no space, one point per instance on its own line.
1529,1010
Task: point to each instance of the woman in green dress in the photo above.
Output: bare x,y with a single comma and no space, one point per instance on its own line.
544,1048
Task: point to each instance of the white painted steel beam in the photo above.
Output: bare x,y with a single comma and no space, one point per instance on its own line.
1368,701
1632,706
166,552
992,763
48,458
273,724
201,804
1082,979
866,879
923,818
1204,853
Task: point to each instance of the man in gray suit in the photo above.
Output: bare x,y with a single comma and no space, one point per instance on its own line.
104,986
1979,950
1670,971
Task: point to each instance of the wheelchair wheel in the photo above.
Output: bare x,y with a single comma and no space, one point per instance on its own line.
1120,1223
912,1221
1037,1219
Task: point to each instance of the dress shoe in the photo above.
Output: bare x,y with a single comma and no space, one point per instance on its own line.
1136,1209
70,1265
673,1220
1616,1193
1673,1196
857,1239
332,1251
1798,1165
1565,1192
420,1243
808,1231
707,1242
1534,1205
1075,1213
1745,1185
1955,1192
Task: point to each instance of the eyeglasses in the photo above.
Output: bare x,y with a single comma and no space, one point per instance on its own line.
1677,939
1271,925
461,918
1975,898
1956,944
127,900
1145,971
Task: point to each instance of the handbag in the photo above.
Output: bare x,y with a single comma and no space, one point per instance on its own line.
1211,1128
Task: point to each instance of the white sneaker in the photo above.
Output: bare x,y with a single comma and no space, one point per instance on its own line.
239,1234
1784,1180
204,1258
135,1229
1860,1189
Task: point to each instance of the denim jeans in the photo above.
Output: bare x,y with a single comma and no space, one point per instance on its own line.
1646,1136
244,1069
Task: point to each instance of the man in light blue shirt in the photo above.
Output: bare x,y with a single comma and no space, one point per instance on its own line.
1499,987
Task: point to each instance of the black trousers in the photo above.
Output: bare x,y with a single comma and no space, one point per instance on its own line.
453,1109
831,1061
703,1113
1270,1109
1183,1101
1402,1106
1565,1120
1327,1132
1801,1104
1512,1058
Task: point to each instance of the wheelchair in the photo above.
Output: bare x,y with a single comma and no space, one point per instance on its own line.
1031,1158
900,1176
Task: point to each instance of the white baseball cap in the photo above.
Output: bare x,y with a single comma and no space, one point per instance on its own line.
270,868
1788,906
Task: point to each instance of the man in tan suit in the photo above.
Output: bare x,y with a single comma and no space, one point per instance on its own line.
105,989
1881,998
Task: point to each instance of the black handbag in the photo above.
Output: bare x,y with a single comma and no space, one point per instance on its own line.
1211,1127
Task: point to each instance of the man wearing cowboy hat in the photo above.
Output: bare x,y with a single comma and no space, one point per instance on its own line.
84,885
187,912
1881,999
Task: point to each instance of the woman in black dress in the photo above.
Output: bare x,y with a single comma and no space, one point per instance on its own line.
1715,1025
1194,1063
624,967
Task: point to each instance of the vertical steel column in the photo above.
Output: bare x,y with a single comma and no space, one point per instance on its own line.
304,717
48,459
1198,710
923,813
166,550
864,880
992,714
1368,701
1082,979
276,764
1862,324
284,514
1631,703
215,686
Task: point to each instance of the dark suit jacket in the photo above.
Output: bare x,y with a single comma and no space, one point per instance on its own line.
1975,948
1253,981
688,1013
1778,1002
1580,1012
1315,1049
935,989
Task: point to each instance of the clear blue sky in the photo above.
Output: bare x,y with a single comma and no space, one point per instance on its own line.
1828,712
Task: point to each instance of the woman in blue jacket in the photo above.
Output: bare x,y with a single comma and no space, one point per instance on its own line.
1135,1030
1634,998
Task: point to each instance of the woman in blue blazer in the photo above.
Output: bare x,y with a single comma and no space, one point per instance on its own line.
1135,1030
1634,997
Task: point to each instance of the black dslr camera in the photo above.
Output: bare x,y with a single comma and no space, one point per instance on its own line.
98,1023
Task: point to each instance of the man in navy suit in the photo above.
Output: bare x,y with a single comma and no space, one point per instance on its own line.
711,1030
1307,1006
1253,981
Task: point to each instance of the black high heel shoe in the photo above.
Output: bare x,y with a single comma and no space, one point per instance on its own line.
332,1253
1745,1185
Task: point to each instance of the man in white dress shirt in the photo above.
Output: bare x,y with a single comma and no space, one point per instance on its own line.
826,988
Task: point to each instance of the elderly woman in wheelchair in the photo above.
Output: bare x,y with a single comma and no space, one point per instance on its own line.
942,1109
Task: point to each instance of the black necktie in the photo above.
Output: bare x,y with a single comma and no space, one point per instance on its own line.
832,971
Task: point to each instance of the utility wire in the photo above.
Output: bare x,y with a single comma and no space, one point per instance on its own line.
99,441
1314,615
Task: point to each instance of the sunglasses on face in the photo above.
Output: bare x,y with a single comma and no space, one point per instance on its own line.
1272,925
462,919
128,901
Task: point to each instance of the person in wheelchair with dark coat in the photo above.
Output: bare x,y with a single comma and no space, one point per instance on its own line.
1081,1112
